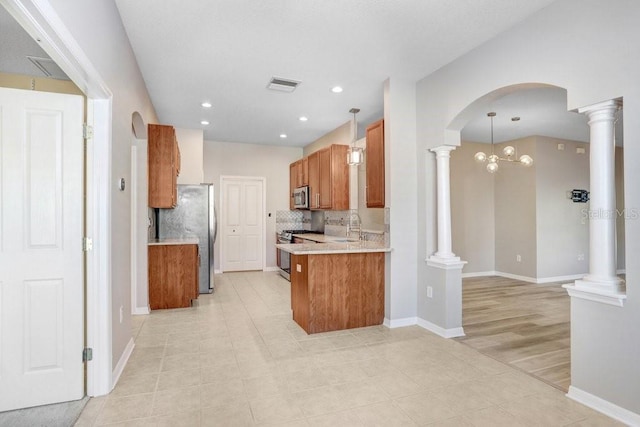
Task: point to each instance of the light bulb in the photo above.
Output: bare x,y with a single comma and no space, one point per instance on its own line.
493,158
480,156
526,160
492,167
509,151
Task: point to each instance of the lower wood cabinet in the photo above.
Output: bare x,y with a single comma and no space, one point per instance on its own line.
332,292
173,275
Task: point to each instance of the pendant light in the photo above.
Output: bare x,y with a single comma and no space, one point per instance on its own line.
508,151
355,155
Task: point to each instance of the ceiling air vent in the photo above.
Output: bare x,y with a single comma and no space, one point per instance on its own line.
283,85
48,67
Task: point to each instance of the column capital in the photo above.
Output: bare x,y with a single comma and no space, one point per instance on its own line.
442,150
612,105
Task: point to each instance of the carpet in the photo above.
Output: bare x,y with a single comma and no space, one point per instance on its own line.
58,415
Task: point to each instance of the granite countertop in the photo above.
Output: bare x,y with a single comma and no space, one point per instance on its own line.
332,245
185,241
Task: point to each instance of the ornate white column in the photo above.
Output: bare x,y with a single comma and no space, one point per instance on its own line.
444,254
601,279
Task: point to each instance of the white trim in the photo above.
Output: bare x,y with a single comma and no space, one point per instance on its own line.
41,21
438,330
263,215
99,333
123,361
593,295
524,278
138,311
271,269
622,271
452,263
399,323
612,410
217,271
479,274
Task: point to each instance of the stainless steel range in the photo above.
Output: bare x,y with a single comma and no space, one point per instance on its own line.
284,258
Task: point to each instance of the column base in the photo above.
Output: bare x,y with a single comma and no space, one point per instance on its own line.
610,292
447,263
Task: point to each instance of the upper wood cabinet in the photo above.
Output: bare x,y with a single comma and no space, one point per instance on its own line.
328,173
163,166
293,175
375,164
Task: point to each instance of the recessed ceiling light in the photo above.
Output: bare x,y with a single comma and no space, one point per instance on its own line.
206,105
283,135
303,119
204,122
336,89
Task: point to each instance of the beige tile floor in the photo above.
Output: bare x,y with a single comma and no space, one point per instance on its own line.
237,359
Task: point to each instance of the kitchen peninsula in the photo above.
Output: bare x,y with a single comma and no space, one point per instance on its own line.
338,284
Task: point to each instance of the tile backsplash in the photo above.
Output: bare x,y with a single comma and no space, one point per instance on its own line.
335,223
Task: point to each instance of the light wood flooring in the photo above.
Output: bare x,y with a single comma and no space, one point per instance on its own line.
522,324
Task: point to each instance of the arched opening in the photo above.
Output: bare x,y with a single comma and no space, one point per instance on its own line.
521,234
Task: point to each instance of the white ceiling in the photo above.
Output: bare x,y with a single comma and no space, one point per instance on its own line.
225,52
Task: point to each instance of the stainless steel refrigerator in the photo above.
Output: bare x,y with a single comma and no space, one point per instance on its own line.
193,216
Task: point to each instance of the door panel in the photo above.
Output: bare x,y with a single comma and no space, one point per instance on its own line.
41,273
243,224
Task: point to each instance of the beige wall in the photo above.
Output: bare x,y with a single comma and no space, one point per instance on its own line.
343,135
533,216
472,209
268,161
191,142
515,212
563,232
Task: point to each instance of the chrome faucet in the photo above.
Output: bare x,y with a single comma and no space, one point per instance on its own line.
354,224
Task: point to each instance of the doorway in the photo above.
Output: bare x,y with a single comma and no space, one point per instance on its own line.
242,220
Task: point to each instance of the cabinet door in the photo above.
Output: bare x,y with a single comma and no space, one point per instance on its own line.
314,180
162,166
339,177
324,184
292,183
305,171
375,165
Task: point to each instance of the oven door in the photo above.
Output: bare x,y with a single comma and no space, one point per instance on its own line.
284,260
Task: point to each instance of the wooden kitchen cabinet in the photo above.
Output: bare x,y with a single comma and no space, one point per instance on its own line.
375,165
331,292
173,275
293,174
163,166
328,173
298,177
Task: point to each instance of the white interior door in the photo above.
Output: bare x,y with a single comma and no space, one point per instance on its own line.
242,227
41,259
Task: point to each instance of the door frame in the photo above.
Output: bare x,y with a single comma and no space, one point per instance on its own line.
41,21
263,213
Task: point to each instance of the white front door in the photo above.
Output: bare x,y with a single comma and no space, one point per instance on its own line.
41,258
242,227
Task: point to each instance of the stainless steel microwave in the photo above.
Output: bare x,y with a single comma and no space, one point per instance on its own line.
301,197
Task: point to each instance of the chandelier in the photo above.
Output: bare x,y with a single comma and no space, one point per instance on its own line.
355,154
509,154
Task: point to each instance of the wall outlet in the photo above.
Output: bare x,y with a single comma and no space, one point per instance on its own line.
429,292
580,257
298,268
518,258
560,147
121,313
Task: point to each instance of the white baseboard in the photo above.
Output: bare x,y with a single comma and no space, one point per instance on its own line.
271,269
479,274
623,271
115,375
594,402
399,323
445,333
215,271
140,310
527,279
